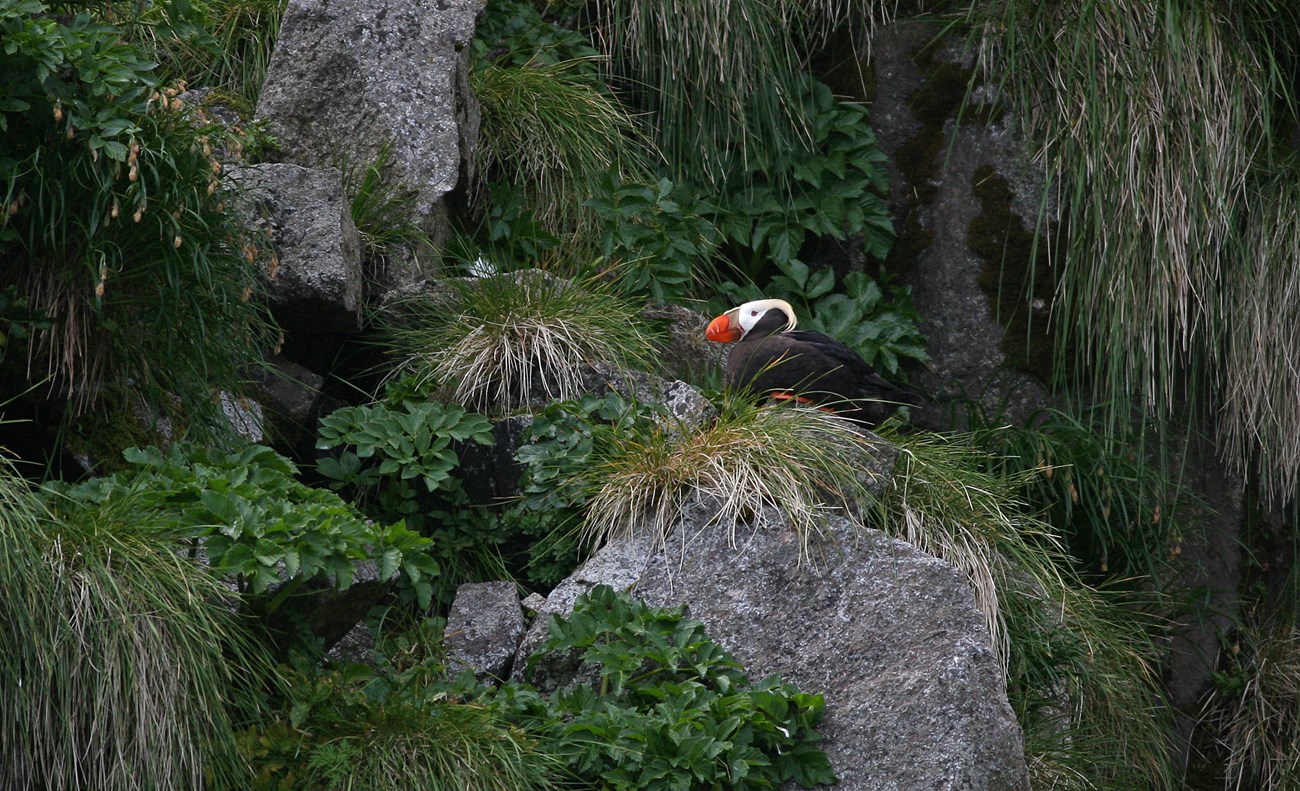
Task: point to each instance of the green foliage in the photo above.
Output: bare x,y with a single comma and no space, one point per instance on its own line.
391,445
114,227
120,652
672,709
1255,708
655,238
557,449
224,45
256,522
1107,493
834,187
17,320
397,463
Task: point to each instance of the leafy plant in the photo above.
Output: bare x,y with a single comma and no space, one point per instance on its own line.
502,342
224,45
833,187
655,238
1116,503
557,450
397,463
120,656
672,710
720,83
392,445
115,227
256,522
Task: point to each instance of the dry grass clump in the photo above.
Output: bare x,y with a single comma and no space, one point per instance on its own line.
496,344
801,462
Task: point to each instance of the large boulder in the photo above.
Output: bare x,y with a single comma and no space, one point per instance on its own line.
316,286
348,78
915,697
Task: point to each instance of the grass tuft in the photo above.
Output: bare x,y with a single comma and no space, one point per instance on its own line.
499,343
556,134
795,461
115,676
1258,717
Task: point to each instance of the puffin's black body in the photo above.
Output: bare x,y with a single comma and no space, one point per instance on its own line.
771,358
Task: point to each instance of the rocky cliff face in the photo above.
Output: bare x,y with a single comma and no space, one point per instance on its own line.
890,635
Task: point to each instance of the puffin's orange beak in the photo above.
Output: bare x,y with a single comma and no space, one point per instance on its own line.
722,330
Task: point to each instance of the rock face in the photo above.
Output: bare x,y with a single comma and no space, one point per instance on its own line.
939,170
914,696
349,77
483,629
317,286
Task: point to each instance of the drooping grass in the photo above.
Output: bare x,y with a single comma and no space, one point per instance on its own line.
1080,665
113,665
116,229
1261,366
555,134
797,462
495,343
1155,120
720,80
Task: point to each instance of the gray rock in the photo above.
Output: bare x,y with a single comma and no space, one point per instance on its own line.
891,636
348,77
483,629
684,352
915,698
290,391
245,416
490,473
317,284
683,402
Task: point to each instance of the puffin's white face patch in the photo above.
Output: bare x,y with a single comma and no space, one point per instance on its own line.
748,314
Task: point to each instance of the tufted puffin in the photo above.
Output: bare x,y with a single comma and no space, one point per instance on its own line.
772,358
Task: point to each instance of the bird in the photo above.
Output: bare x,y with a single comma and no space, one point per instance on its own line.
773,359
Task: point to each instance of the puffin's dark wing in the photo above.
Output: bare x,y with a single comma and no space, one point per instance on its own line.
868,383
